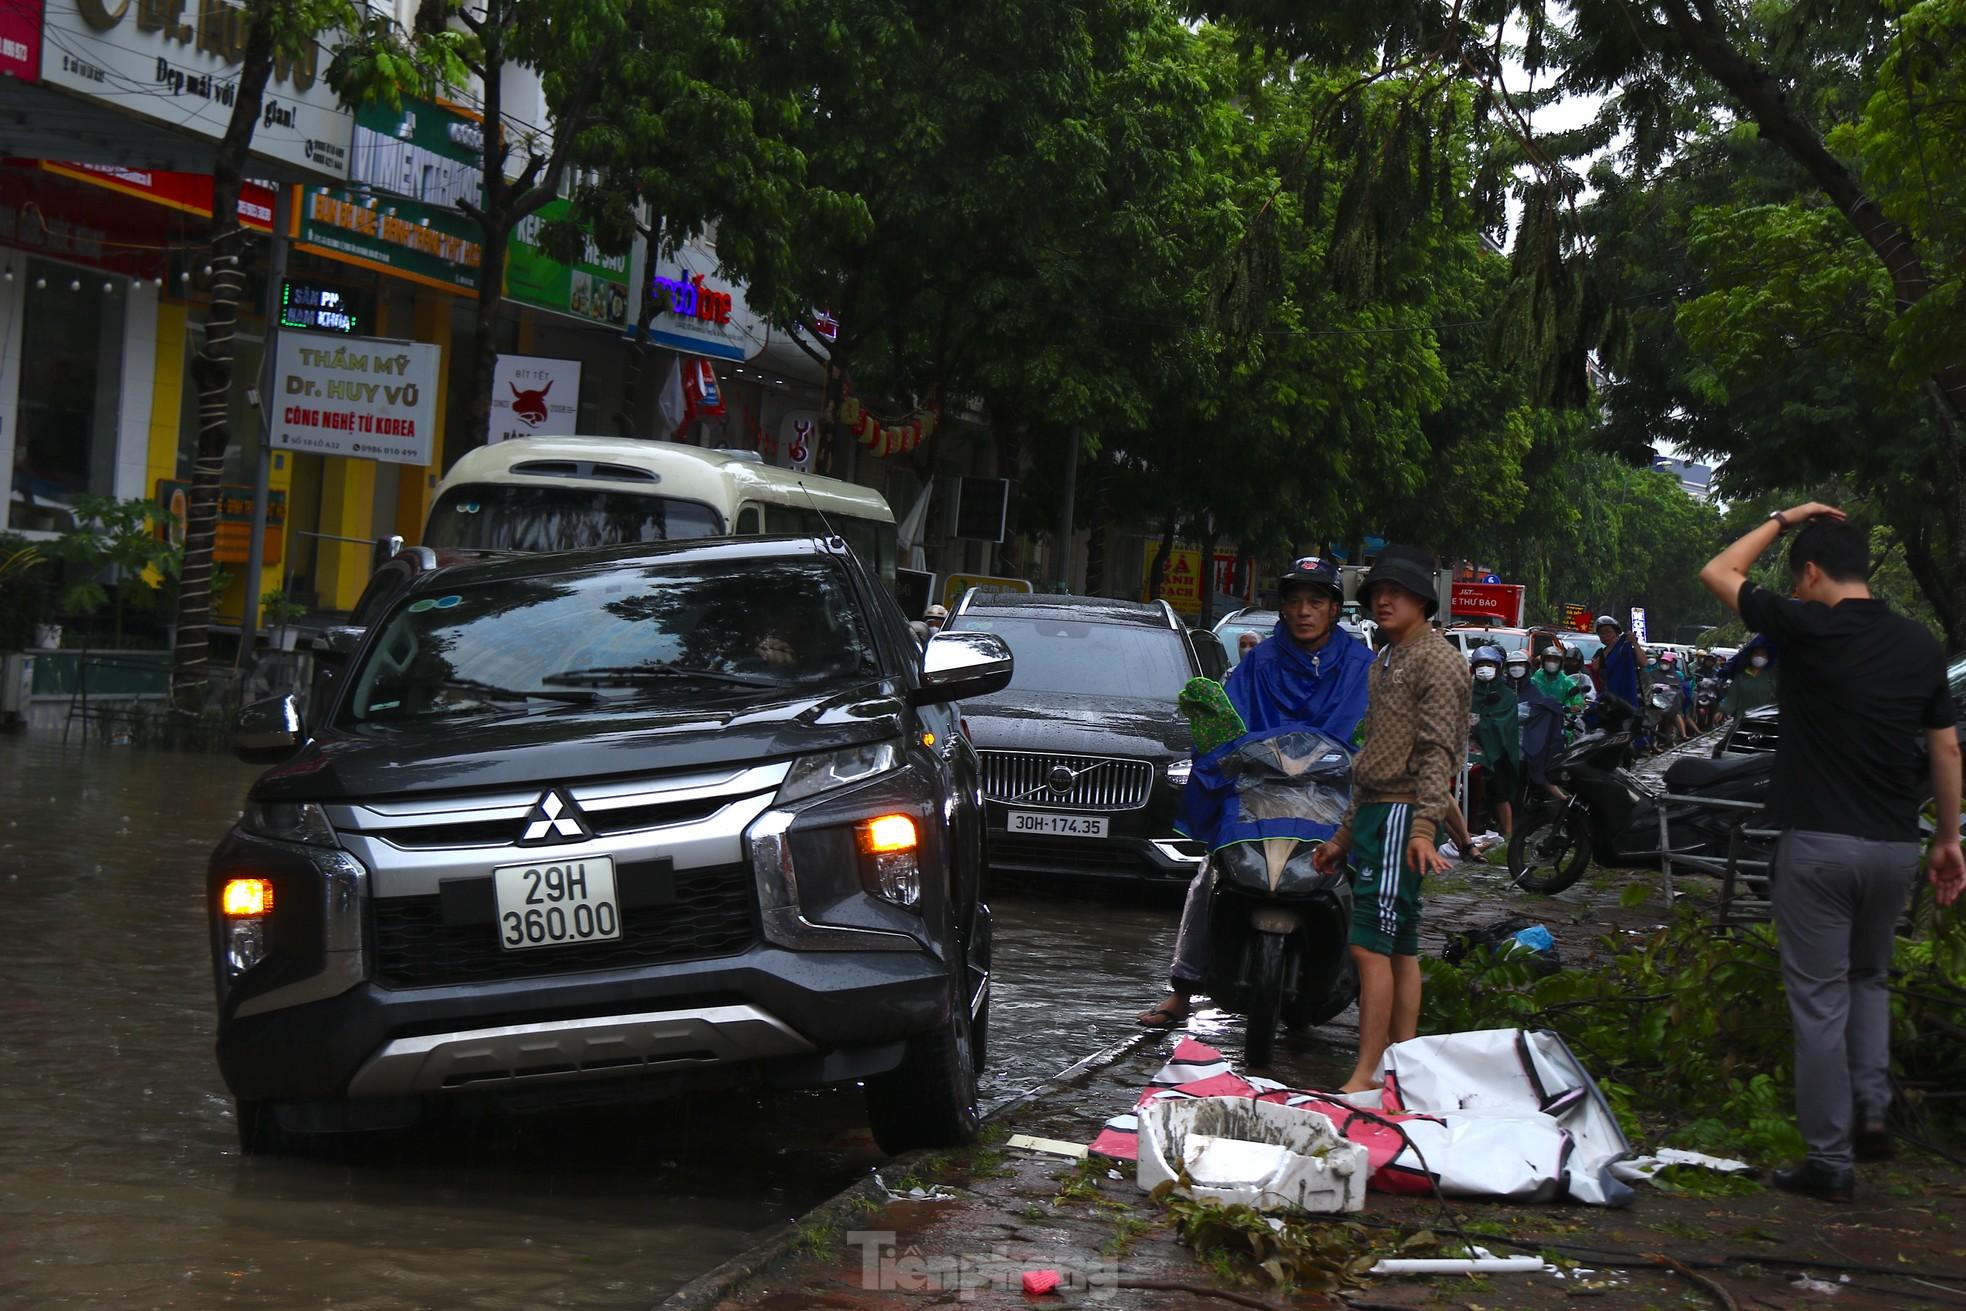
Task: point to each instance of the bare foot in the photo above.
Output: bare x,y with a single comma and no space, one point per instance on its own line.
1356,1087
1167,1014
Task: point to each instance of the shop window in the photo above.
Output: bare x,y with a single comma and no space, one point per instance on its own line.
70,390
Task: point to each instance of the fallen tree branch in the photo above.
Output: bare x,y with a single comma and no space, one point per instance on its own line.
1711,1287
1201,1290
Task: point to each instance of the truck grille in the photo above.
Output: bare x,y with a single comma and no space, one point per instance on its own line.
709,916
1100,782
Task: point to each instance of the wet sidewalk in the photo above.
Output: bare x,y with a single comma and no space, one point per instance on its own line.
987,1215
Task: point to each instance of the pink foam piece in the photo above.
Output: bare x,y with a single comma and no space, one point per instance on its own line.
1037,1283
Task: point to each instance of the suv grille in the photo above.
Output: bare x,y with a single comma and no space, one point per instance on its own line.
1101,782
710,916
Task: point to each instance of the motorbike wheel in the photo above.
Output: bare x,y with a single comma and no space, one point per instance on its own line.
1547,856
1266,1000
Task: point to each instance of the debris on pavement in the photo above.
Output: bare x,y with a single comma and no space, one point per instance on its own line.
1265,1155
1047,1146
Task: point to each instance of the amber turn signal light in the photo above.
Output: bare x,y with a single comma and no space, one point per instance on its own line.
889,833
246,898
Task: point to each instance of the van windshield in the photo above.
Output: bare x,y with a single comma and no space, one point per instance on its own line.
873,542
508,517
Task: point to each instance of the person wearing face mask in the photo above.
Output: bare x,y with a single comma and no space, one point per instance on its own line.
1515,672
1573,669
1755,685
1497,736
1552,682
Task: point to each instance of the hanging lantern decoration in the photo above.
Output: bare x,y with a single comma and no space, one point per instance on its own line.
886,439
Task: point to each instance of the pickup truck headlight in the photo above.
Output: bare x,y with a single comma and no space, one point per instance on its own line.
1177,773
288,821
812,775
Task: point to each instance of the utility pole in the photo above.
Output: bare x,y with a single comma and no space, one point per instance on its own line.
1063,571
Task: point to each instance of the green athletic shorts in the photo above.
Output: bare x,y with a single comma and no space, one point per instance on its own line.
1385,891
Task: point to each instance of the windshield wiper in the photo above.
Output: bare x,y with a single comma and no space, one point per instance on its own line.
624,675
514,694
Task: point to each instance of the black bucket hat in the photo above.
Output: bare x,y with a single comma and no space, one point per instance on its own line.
1408,566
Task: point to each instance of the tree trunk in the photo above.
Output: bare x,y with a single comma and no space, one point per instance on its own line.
1095,527
1765,101
628,419
1209,537
1158,574
211,368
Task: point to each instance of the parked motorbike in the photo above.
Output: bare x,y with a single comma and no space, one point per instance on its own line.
1612,811
1277,927
1662,716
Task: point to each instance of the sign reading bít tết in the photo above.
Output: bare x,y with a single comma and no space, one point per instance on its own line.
531,394
359,396
177,62
593,288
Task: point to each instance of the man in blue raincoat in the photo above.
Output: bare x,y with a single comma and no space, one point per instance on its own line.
1309,673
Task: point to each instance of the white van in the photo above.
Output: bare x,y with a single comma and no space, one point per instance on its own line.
562,493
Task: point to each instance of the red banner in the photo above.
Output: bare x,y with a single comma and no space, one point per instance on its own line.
1501,602
20,39
189,192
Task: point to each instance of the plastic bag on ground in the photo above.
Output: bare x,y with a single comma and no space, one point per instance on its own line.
1264,1155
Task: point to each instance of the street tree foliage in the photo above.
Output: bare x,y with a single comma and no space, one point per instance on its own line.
1842,115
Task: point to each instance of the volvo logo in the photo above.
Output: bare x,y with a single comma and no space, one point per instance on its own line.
554,818
1060,779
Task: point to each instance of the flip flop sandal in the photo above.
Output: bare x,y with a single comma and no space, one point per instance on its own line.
1162,1017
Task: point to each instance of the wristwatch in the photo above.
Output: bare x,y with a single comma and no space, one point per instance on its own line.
1781,522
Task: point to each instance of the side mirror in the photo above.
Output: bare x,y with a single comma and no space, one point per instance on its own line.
1210,654
267,732
956,666
385,550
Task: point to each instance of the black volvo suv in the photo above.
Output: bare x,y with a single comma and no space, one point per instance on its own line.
607,823
1085,752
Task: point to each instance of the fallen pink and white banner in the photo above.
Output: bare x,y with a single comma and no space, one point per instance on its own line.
1500,1113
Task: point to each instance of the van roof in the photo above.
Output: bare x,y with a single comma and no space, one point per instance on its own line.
688,472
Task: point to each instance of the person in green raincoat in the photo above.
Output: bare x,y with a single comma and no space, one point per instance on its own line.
1498,735
1552,682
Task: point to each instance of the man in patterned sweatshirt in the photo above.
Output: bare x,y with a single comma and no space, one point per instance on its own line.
1416,730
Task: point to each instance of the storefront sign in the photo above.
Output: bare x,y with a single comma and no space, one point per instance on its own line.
177,62
412,166
189,192
1576,618
20,39
360,396
321,309
1499,602
1181,586
594,288
956,584
235,520
698,311
1638,625
534,395
798,438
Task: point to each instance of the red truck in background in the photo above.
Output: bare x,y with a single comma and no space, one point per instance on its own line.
1500,604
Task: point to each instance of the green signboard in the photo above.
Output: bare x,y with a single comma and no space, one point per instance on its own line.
594,288
409,167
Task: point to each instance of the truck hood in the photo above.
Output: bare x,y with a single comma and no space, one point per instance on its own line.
563,744
1135,727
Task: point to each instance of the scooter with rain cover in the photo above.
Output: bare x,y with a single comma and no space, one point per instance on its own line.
1277,927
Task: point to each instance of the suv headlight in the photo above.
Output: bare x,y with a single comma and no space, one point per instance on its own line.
1177,773
812,775
288,821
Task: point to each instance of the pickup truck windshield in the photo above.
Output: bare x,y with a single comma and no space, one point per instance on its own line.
662,633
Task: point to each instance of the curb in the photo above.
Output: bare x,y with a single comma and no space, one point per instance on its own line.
839,1212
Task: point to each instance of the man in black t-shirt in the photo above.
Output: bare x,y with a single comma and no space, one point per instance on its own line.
1860,688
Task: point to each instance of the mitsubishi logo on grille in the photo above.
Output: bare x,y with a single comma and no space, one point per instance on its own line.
554,818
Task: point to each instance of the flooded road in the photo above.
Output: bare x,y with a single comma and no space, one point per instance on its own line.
122,1184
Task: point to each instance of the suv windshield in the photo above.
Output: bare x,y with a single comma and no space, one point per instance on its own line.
665,633
1066,655
508,517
